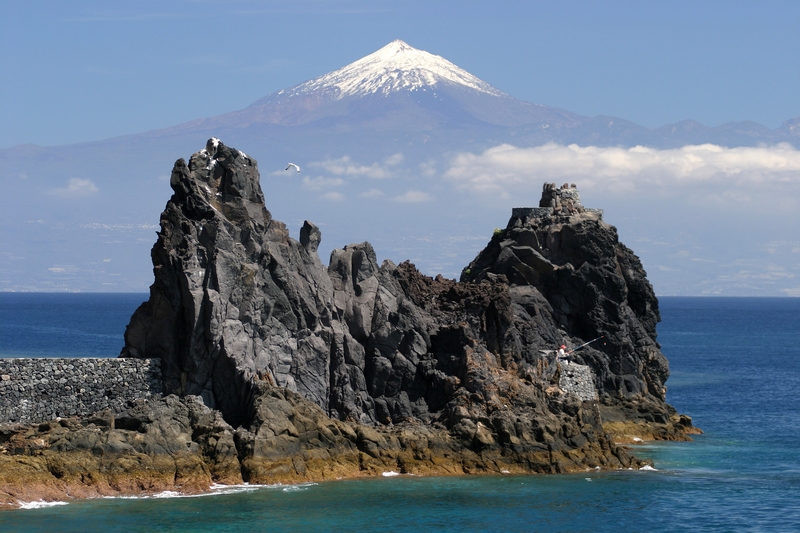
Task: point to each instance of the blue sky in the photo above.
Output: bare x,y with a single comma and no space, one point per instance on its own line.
88,70
704,219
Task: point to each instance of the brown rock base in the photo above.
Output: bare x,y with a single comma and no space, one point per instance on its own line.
180,444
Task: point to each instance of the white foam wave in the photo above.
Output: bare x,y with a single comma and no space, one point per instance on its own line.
648,467
215,489
40,504
298,487
218,488
171,494
390,473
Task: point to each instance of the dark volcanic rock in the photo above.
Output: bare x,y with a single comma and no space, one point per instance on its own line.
308,372
569,266
234,296
181,444
165,444
236,299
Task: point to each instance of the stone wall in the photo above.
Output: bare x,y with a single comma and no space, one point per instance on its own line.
555,201
565,197
578,380
544,212
35,390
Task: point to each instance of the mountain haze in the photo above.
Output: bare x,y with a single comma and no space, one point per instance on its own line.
399,88
402,89
404,149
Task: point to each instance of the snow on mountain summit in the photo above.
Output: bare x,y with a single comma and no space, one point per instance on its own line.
397,88
395,67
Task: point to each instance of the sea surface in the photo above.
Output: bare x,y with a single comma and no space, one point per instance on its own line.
735,369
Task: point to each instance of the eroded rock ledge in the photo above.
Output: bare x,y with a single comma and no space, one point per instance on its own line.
277,368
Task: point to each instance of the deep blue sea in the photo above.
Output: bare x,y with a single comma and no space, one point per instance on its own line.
735,369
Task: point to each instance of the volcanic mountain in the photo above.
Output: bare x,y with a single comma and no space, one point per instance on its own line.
397,87
400,90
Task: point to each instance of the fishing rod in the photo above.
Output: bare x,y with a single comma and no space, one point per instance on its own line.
585,344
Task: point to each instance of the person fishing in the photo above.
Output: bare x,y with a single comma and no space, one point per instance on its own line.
562,352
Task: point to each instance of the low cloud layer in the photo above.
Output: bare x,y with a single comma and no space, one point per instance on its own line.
736,173
334,196
76,188
413,196
320,183
346,167
372,194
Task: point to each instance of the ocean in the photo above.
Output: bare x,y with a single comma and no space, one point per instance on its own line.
735,369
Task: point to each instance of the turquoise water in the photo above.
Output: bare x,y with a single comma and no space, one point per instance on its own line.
735,369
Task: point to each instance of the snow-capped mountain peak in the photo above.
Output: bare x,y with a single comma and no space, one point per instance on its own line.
395,67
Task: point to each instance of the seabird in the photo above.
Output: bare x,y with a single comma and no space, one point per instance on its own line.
293,165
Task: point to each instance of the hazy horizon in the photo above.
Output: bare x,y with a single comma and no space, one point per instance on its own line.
706,219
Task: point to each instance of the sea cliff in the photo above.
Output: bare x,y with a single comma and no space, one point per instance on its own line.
277,368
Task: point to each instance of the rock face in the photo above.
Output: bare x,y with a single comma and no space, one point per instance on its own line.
181,444
573,281
153,446
235,299
314,372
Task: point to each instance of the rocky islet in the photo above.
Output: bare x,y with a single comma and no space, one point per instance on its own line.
276,368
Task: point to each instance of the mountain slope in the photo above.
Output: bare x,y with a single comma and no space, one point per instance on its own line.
399,87
395,67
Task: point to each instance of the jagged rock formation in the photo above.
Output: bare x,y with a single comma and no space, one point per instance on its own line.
358,368
569,266
236,300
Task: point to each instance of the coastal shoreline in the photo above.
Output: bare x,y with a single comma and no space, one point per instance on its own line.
47,497
180,445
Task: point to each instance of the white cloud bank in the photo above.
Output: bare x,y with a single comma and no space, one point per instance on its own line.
320,183
346,167
413,196
334,196
505,170
372,194
76,188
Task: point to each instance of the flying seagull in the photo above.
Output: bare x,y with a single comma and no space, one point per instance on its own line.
293,165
